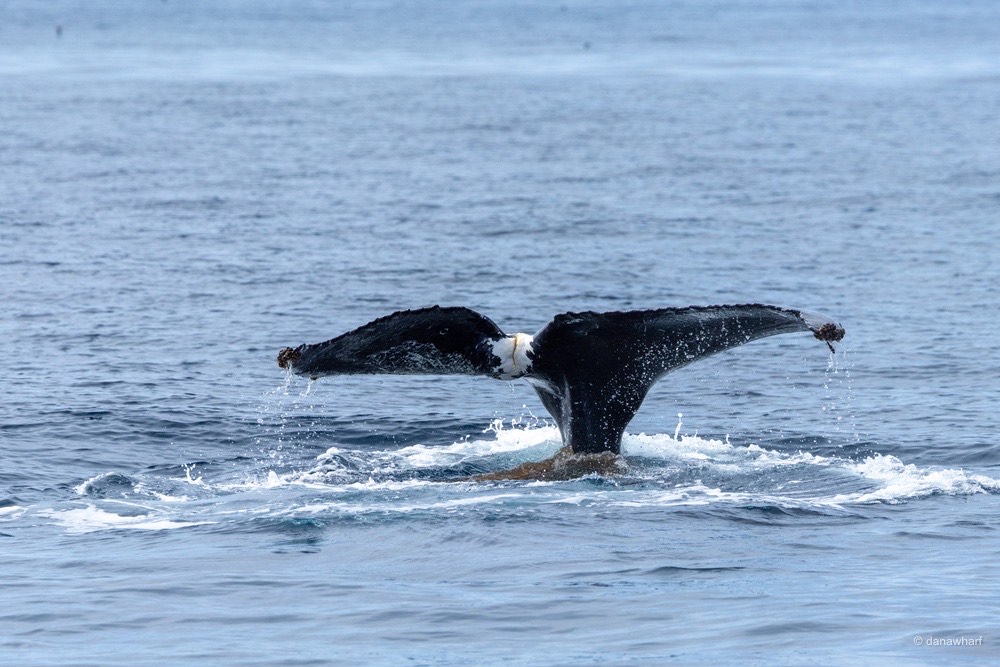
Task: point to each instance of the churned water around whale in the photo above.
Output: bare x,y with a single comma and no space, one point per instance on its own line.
187,190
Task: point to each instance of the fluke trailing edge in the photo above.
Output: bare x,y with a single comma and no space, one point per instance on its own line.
591,370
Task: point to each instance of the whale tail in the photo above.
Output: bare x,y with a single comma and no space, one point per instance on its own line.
590,370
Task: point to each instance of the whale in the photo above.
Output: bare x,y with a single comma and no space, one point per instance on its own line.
591,370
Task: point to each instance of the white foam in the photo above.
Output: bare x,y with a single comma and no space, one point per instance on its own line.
90,519
901,481
788,478
897,481
506,441
405,507
165,497
526,443
665,470
664,446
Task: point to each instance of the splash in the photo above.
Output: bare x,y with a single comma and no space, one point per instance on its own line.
521,441
839,395
663,471
695,469
275,409
900,481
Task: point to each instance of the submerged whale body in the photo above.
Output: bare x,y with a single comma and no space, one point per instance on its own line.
591,370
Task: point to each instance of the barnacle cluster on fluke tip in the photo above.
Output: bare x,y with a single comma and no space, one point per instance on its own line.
287,357
829,333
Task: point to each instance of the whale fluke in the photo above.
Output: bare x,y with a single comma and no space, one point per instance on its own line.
590,370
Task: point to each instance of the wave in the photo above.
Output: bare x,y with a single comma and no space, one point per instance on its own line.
664,471
91,518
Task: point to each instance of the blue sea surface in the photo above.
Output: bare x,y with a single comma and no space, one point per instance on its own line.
187,187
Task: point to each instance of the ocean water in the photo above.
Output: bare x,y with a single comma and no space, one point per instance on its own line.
187,187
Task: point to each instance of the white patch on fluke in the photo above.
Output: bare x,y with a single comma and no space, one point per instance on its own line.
512,352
